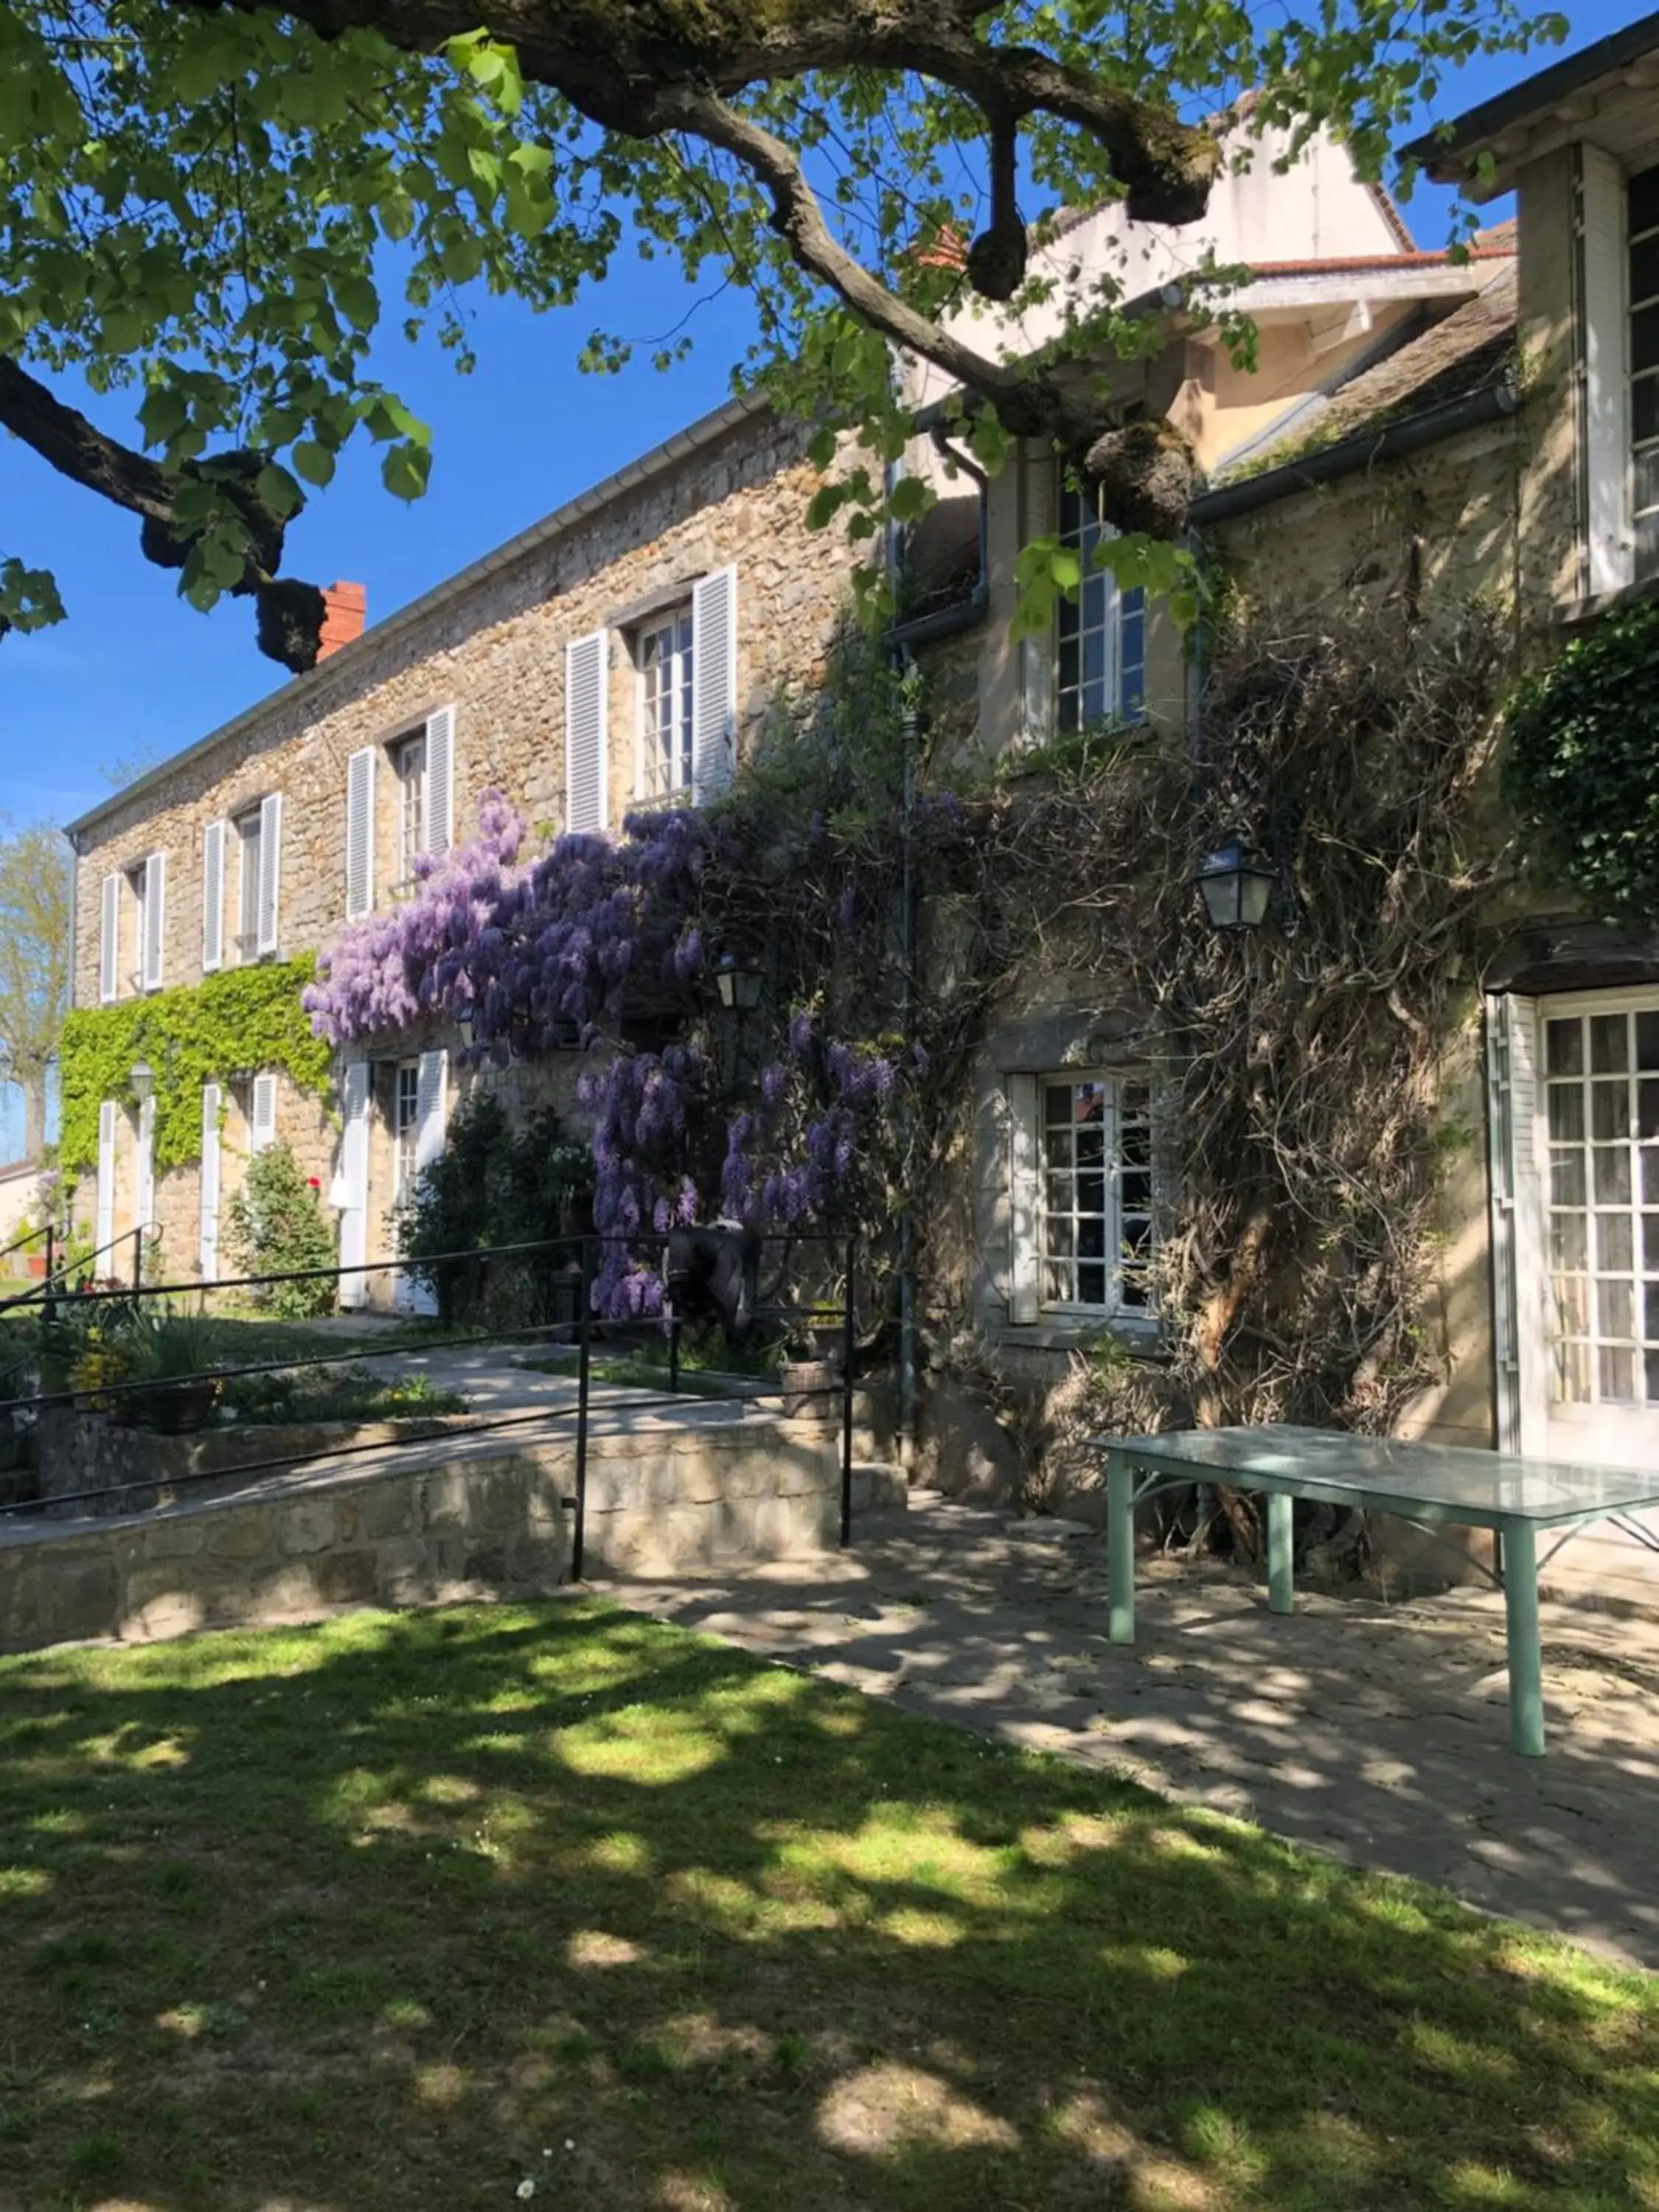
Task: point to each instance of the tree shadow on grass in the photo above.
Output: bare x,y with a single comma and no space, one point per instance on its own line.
412,1909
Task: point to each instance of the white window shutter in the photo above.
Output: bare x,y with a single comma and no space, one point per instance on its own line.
714,683
360,834
271,868
144,1207
351,1186
587,730
441,780
431,1105
1520,1285
1604,386
109,940
156,885
104,1231
262,1119
207,1256
213,898
1041,477
1024,1193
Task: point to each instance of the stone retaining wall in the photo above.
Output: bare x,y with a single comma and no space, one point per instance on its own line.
444,1526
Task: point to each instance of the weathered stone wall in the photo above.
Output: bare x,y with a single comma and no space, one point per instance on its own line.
495,654
492,1525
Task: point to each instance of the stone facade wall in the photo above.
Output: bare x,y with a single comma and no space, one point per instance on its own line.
494,1525
495,654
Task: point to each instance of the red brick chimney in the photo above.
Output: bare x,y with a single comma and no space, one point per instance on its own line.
346,610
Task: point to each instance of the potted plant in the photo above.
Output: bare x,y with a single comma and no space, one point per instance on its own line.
173,1352
810,1371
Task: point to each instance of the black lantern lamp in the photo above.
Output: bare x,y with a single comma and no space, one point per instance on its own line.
1236,886
739,985
465,1022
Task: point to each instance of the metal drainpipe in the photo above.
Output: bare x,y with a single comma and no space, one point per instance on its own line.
907,951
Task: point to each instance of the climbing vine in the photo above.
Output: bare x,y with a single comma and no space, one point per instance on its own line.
1302,1075
1582,767
241,1019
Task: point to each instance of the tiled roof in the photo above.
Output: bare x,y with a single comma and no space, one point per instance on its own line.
1469,349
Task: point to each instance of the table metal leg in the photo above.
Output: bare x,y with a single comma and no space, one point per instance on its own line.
1121,1547
1280,1532
1525,1650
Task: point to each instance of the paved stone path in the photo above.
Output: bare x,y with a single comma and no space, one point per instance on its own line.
1373,1730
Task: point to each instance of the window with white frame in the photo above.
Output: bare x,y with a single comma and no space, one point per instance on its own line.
406,1129
662,659
1642,294
138,886
1094,1223
408,767
248,833
1601,1204
1101,670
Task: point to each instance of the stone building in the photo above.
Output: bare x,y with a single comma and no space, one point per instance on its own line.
1416,423
619,653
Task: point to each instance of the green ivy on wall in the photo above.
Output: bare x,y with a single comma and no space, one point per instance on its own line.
236,1022
1582,764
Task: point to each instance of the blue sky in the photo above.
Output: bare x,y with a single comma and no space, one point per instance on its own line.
135,672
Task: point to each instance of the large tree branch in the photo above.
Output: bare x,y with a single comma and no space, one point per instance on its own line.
1145,475
290,613
627,64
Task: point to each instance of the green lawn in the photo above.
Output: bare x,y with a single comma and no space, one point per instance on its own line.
408,1911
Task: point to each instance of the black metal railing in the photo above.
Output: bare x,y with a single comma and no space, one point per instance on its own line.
582,1328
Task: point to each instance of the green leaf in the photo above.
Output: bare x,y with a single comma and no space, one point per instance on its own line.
406,469
314,462
357,301
910,499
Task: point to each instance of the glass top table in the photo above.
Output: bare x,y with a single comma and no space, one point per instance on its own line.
1501,1490
1442,1482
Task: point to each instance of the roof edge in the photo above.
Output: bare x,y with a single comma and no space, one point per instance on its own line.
1544,89
706,431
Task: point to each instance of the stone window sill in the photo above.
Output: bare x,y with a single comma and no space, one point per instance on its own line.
1575,614
1145,1339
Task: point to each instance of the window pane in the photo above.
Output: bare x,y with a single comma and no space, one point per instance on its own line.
1564,1047
1645,409
1650,1312
1644,338
1568,1241
1647,1040
1650,1241
1091,1285
1609,1109
1057,1285
1572,1374
1650,1175
1644,479
1566,1112
1611,1176
1644,269
1608,1039
1612,1241
1647,546
1651,1363
1647,1109
1134,1187
1642,199
1572,1305
1057,1102
1059,1236
1090,1148
1090,1102
1615,1311
1616,1371
1567,1178
1057,1145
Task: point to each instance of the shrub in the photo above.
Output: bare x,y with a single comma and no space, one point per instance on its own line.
497,1183
274,1225
1582,768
